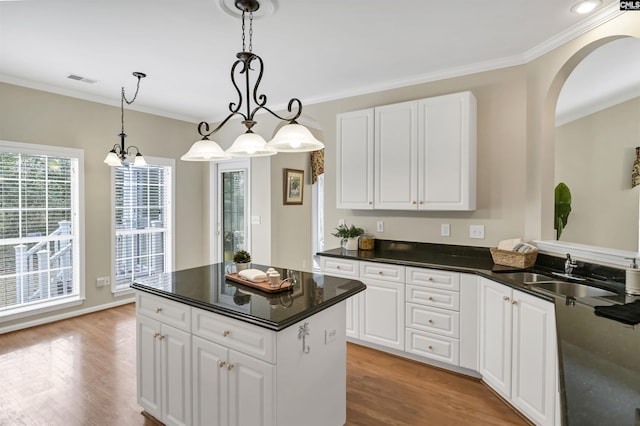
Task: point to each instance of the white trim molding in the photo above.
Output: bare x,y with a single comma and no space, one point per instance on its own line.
594,254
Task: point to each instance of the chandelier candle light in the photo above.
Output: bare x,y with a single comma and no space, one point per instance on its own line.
119,154
292,137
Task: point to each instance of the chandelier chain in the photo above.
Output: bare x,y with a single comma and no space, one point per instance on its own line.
250,31
244,49
123,99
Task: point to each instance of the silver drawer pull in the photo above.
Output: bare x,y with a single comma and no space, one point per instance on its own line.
157,310
225,333
430,298
155,334
380,273
221,364
430,347
230,367
430,321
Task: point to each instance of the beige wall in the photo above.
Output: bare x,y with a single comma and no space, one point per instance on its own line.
38,117
594,157
516,134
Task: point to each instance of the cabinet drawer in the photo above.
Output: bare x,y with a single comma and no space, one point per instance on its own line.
433,346
430,297
164,310
382,271
339,267
433,320
434,278
233,334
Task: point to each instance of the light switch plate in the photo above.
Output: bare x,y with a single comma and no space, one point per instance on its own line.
445,230
380,226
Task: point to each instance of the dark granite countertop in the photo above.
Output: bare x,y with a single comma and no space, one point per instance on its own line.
207,288
599,358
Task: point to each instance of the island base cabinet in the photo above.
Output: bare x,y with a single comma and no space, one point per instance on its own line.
231,388
163,371
312,385
305,384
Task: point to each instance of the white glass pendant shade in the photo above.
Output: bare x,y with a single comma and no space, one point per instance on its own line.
295,137
112,159
205,150
139,161
250,144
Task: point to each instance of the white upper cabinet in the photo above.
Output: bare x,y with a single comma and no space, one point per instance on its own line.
354,167
417,155
447,152
396,155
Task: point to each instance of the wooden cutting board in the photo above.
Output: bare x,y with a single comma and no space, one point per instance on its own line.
264,285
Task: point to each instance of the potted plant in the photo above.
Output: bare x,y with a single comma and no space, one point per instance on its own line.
349,236
242,259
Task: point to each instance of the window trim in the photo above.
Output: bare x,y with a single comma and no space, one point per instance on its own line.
155,161
63,302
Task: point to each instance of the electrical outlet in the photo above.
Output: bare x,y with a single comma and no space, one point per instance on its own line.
255,220
445,230
476,231
329,335
380,226
340,222
103,282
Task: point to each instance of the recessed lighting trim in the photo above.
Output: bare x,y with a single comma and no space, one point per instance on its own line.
585,6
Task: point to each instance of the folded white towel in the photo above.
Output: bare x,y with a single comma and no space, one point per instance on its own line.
509,244
255,275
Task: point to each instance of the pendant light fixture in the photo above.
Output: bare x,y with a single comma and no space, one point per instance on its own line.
292,137
118,154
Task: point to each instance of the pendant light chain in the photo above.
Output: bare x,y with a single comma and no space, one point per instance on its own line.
244,47
123,99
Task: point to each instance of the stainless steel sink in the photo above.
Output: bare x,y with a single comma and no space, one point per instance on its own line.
527,277
573,289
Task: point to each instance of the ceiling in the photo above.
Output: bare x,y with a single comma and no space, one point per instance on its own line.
315,50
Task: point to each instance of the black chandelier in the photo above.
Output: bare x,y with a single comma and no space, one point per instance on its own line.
118,153
292,137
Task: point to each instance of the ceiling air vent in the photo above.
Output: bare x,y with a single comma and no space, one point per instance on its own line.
81,78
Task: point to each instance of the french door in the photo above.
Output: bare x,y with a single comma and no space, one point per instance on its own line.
231,218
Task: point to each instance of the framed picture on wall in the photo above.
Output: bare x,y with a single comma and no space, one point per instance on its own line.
293,186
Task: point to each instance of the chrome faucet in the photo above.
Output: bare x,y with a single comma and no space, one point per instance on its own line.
569,264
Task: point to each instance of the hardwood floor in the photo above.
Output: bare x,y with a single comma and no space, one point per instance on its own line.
81,371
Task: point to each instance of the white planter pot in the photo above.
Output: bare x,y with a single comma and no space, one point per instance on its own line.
242,266
350,243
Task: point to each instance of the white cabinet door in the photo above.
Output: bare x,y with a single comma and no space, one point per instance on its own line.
447,152
148,368
353,314
175,346
209,380
495,335
354,168
164,371
251,391
396,155
382,313
534,357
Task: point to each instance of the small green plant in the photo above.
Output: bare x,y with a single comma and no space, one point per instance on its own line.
242,257
562,207
344,231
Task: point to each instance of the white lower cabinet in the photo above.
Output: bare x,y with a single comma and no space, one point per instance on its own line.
518,354
419,312
210,369
163,361
230,388
382,313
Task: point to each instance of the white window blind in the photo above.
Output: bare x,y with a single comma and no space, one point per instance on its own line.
143,222
39,225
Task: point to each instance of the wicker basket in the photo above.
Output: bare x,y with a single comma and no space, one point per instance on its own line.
514,259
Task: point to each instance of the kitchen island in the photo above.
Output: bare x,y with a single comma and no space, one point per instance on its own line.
211,351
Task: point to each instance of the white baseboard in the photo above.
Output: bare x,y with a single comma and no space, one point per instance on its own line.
71,314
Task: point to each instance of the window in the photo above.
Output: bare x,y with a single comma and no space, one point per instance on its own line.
40,228
143,221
